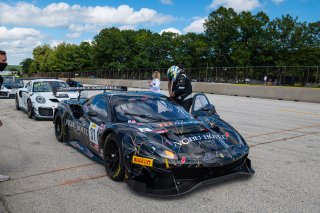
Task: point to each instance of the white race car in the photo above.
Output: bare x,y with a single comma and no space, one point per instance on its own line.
9,86
37,99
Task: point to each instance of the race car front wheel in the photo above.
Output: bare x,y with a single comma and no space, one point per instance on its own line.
29,109
113,158
17,103
58,129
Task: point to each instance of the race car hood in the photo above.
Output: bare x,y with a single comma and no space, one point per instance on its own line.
193,142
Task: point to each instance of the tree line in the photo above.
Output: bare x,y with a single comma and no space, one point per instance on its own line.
229,39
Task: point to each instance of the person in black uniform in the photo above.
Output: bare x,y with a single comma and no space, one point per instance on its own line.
73,83
3,64
179,86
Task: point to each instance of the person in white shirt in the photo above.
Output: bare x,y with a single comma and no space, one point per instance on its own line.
265,79
155,83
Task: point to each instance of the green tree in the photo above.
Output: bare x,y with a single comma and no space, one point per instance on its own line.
222,31
25,64
41,55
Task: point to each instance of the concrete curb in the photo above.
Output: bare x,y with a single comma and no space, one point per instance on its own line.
269,92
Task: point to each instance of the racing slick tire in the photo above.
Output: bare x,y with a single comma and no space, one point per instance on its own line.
30,111
113,158
58,128
17,103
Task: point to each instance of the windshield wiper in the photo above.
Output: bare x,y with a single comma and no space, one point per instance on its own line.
145,116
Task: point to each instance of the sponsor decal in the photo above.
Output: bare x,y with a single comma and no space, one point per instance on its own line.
166,124
95,146
227,134
211,136
93,133
142,161
132,121
132,100
186,141
160,131
78,128
145,130
183,160
186,122
102,128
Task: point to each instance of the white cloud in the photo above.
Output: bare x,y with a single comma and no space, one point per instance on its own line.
166,1
195,26
19,42
171,29
127,27
54,43
277,1
73,35
237,5
64,15
78,19
82,28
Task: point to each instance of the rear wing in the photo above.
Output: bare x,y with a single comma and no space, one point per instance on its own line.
34,78
91,88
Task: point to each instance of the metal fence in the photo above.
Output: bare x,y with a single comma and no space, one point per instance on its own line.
281,76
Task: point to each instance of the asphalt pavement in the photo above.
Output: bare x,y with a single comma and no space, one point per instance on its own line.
48,176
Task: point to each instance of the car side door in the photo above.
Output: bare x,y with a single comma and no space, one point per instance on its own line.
25,94
95,118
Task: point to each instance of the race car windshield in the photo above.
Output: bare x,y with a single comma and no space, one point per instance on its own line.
147,109
46,86
11,81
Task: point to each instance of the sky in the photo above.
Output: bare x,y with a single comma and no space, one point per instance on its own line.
26,24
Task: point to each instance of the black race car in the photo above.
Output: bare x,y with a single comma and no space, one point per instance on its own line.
150,142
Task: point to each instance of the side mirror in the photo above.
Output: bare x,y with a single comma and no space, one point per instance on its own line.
210,109
92,113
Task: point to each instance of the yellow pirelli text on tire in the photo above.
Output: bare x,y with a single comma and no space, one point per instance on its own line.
142,161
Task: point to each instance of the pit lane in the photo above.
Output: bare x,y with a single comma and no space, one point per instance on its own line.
47,176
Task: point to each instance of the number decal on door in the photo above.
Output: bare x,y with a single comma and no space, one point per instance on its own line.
93,133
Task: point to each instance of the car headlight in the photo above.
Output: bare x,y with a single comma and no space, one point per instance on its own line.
167,154
40,99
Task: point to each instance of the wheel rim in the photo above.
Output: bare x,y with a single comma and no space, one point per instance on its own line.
112,156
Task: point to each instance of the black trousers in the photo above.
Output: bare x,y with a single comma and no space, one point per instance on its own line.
1,81
186,104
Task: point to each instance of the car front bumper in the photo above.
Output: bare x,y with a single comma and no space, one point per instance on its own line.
7,94
178,181
44,112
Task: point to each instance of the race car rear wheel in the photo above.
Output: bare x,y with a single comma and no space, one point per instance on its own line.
29,109
58,128
17,103
113,158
